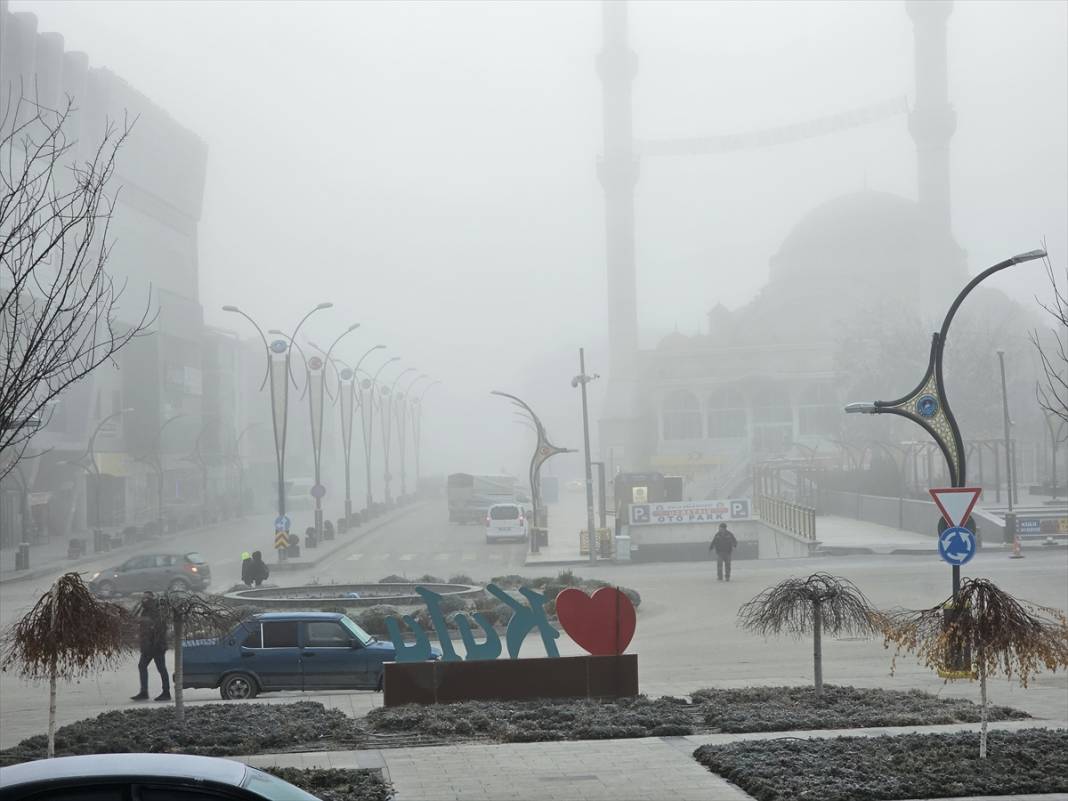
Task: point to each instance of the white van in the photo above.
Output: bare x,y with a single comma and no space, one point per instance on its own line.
506,521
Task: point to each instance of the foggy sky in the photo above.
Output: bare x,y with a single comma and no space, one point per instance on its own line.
430,167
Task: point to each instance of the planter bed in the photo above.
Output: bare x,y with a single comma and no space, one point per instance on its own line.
337,784
901,767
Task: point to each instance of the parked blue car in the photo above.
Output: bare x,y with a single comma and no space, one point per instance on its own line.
288,651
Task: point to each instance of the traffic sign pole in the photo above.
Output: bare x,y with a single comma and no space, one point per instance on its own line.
957,543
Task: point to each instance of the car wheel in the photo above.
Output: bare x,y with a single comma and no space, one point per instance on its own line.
178,585
106,588
238,687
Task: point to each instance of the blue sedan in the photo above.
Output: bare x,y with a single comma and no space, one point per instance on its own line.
288,651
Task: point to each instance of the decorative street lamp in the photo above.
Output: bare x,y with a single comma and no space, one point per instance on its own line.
155,461
367,421
404,399
417,427
928,406
239,463
387,427
279,374
543,451
89,465
582,380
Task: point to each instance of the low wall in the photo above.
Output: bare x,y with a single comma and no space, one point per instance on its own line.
441,682
689,543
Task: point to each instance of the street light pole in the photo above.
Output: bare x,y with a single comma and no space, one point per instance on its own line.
157,464
241,469
387,429
368,434
582,380
417,427
1010,518
402,429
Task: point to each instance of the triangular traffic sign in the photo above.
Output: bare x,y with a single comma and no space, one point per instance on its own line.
956,503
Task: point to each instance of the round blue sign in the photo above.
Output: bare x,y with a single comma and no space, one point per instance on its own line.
927,405
956,545
279,346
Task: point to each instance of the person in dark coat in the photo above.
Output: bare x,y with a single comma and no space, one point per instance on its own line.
246,568
153,642
259,570
723,544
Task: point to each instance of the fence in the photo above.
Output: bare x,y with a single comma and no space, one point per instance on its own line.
901,513
784,514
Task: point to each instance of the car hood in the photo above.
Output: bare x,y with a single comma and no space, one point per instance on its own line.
387,650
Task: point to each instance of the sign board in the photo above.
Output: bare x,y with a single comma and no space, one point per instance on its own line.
956,503
639,495
281,540
1029,525
956,545
690,512
281,523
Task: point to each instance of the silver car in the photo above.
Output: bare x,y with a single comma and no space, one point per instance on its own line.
157,572
148,777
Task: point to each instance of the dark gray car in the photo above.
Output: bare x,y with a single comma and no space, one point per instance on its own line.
155,572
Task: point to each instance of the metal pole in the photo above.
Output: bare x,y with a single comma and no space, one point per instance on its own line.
1010,518
589,469
602,497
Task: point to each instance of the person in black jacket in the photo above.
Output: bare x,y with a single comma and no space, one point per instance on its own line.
258,570
153,642
723,544
246,568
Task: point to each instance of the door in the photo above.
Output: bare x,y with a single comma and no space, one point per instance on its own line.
332,657
277,661
135,574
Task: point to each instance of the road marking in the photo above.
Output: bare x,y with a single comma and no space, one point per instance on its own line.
496,557
354,556
443,557
380,557
407,557
469,557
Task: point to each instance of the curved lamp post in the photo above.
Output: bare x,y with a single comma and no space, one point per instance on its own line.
155,461
370,384
89,465
240,465
279,373
417,427
543,451
927,404
387,427
402,428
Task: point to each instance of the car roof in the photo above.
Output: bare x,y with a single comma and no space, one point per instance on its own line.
509,503
299,616
222,771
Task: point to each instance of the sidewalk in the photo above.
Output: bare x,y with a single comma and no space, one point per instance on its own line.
650,768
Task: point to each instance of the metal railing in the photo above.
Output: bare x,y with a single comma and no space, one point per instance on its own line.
787,515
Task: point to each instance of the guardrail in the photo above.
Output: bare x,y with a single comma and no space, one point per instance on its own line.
793,517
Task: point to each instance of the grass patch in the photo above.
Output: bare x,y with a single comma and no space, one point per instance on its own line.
884,768
752,709
337,784
210,730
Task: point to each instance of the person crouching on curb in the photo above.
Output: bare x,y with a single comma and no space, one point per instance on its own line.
153,642
723,544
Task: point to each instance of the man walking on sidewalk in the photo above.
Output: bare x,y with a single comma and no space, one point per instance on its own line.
153,641
723,544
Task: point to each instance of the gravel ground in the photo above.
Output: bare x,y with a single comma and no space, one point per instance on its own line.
211,729
336,784
905,766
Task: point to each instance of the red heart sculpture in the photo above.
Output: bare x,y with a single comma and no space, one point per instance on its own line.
602,624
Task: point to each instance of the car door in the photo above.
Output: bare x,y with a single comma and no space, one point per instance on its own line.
277,661
132,574
331,657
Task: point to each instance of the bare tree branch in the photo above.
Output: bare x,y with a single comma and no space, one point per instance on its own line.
1054,354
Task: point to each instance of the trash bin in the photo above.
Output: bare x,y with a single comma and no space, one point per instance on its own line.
22,556
294,547
623,547
310,540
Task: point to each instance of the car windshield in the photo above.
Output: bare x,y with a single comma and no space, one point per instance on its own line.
273,788
357,632
504,513
195,558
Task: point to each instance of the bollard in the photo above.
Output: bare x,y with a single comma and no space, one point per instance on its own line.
1017,551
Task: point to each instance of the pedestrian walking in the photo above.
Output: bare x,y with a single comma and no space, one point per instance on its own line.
246,568
723,544
153,642
259,571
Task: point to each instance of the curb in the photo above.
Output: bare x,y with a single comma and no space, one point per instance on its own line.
294,565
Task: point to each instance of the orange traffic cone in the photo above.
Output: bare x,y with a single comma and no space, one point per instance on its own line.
1016,550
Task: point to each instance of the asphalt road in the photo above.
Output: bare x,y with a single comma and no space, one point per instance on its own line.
686,636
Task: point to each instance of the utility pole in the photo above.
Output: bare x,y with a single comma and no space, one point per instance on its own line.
1010,518
583,379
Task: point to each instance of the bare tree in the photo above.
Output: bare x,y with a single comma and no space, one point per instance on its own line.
59,307
813,605
67,634
1003,634
191,614
1053,397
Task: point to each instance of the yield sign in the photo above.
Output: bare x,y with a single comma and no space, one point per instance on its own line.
956,503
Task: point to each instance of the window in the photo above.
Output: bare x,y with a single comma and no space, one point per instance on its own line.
280,634
819,411
253,640
682,416
139,563
504,513
726,414
194,558
771,405
356,631
327,634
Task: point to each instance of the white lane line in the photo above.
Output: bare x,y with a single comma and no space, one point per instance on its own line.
469,557
496,557
380,557
442,557
354,556
407,557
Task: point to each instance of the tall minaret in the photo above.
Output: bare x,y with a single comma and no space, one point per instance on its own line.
620,425
932,121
